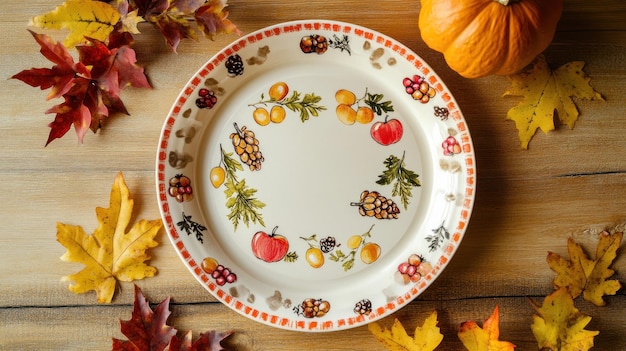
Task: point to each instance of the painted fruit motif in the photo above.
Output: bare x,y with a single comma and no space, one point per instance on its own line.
314,257
222,275
350,109
217,175
388,132
346,114
269,247
370,252
278,91
412,270
180,188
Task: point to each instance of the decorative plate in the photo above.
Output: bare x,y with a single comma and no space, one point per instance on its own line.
315,175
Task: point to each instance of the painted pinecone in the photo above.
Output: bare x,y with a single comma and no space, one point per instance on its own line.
372,204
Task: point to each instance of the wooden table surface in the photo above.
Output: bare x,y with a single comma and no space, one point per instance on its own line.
569,183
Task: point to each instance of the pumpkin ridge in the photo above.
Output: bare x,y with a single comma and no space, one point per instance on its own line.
475,50
483,37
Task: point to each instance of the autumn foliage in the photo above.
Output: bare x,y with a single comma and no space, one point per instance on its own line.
90,87
113,252
147,330
546,91
557,324
102,33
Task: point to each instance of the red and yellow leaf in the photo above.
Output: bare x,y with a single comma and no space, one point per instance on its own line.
129,18
486,338
426,338
147,330
589,277
61,76
559,326
546,91
83,18
111,253
171,17
212,19
91,87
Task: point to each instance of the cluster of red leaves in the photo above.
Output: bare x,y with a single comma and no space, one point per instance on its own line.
90,87
147,330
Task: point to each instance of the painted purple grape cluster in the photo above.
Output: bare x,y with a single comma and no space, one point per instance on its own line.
206,98
223,275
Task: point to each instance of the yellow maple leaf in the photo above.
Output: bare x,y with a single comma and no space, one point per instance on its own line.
110,254
545,91
426,338
84,18
559,326
486,339
580,274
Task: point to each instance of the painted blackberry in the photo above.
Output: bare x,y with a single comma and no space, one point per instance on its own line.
234,65
327,244
441,112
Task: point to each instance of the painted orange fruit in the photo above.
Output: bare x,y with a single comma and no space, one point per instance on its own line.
278,91
370,253
261,116
315,257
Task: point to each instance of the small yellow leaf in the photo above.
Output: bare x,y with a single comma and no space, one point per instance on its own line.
110,254
559,326
426,338
545,91
129,20
84,18
581,275
486,339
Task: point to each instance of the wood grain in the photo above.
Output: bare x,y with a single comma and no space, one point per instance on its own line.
569,183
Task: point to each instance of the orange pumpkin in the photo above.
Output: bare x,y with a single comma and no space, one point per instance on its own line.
483,37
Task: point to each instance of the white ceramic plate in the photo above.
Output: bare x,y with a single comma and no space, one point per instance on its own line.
294,209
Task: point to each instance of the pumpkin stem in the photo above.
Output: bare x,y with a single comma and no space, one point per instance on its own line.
506,2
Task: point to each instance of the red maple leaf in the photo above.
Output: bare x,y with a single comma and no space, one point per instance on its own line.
113,68
147,330
60,76
90,87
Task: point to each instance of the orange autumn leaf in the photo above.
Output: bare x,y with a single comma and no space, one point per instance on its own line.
546,91
426,338
486,338
559,326
589,277
84,19
111,254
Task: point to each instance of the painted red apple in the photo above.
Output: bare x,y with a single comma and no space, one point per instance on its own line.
387,132
269,247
